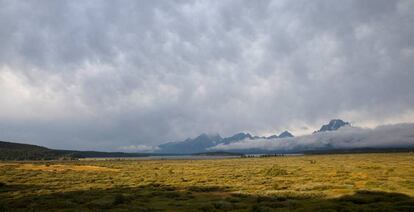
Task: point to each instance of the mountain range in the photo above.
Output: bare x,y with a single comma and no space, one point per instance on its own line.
203,142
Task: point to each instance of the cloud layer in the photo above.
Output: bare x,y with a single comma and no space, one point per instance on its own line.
100,75
395,136
138,148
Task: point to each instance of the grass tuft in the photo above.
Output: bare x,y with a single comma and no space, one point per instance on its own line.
276,171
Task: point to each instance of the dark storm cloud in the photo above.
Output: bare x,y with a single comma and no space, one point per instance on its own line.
103,74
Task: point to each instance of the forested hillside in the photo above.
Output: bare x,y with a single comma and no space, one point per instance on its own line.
18,151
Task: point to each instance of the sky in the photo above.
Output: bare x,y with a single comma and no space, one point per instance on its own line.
102,75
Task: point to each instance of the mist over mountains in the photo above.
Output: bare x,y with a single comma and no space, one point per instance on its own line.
335,135
347,137
205,141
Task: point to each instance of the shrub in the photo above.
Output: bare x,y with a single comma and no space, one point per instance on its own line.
223,205
206,207
276,171
205,188
259,208
119,199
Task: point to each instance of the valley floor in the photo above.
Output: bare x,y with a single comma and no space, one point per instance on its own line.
348,182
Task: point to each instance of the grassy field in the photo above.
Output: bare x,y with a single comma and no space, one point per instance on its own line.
349,182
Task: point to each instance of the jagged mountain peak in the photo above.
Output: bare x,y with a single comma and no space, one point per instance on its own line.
333,125
285,134
237,137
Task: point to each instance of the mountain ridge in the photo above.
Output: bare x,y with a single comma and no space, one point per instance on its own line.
202,142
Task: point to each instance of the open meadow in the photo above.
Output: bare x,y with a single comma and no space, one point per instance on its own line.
348,182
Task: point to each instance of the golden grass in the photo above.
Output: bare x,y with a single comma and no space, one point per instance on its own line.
61,168
172,184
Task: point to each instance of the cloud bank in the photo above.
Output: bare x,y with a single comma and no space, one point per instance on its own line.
138,148
387,136
103,74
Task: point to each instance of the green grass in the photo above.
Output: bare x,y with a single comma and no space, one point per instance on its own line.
366,182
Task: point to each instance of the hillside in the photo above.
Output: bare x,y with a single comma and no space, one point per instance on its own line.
18,151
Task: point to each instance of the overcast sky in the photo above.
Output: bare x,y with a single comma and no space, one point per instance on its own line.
104,74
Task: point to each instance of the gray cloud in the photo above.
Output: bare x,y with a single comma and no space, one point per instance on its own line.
398,135
99,75
138,148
